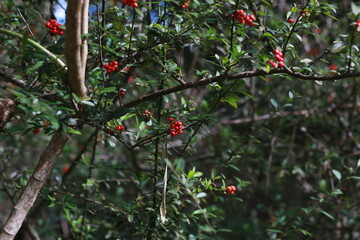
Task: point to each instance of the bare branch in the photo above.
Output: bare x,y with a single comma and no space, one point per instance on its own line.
33,187
241,75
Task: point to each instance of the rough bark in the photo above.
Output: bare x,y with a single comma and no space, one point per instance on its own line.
33,187
6,107
76,44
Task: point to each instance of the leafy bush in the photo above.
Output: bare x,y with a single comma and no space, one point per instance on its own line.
287,137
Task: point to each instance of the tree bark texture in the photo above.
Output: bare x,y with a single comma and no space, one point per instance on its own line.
33,187
6,107
76,49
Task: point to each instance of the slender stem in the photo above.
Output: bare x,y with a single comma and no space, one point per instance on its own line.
34,44
351,44
293,28
90,170
132,31
22,17
152,221
232,31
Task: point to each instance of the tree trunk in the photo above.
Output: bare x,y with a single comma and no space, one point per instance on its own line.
33,187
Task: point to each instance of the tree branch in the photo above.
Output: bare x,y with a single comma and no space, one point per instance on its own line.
75,47
241,75
34,44
33,187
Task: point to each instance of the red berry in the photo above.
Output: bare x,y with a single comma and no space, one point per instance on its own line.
183,6
291,20
171,119
119,128
241,20
251,17
135,5
242,13
65,169
281,64
48,24
37,130
53,21
109,131
279,58
277,51
303,11
115,63
332,67
273,64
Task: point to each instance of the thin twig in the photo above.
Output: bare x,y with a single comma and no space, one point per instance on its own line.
293,28
351,44
22,17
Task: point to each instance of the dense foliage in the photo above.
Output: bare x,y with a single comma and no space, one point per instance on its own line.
182,102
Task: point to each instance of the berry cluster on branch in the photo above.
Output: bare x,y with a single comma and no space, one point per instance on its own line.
175,127
240,15
111,67
279,56
230,189
54,27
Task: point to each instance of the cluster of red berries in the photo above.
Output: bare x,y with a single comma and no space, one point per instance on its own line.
131,3
279,56
230,189
175,127
54,27
240,15
111,67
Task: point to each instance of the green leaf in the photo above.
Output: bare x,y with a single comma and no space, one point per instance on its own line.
109,89
354,178
306,60
88,103
303,231
246,94
274,103
327,214
274,231
70,130
337,174
35,67
201,195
